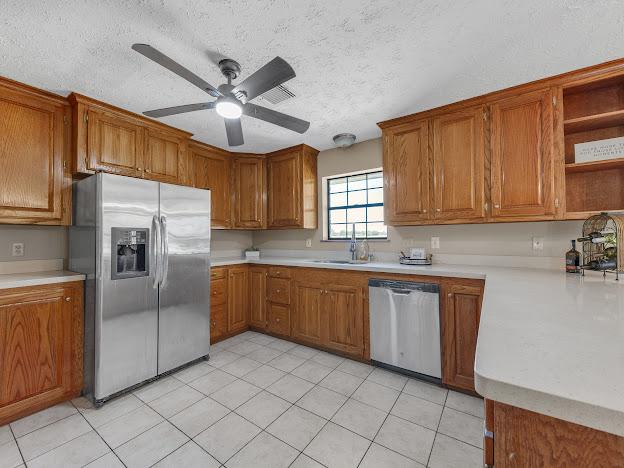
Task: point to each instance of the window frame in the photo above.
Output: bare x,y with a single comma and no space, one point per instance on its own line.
328,208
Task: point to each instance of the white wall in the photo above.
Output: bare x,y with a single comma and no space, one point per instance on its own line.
478,239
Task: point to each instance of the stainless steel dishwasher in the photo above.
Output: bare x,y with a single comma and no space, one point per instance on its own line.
405,326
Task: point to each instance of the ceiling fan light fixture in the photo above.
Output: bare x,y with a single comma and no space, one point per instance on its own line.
228,108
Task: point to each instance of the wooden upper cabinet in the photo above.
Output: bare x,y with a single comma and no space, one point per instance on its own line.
212,169
40,347
460,325
238,298
249,210
164,153
292,188
406,173
307,321
34,185
257,296
458,165
109,139
522,165
115,144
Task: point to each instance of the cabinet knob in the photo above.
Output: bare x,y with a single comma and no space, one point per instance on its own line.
277,273
496,206
437,209
214,324
139,168
277,291
68,299
277,320
424,211
450,294
512,456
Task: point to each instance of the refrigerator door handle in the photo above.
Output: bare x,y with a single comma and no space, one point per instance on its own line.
155,251
165,251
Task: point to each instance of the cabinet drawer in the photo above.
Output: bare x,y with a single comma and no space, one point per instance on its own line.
217,273
279,319
217,291
278,290
279,272
218,321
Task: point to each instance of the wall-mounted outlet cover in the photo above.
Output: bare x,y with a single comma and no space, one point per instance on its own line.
17,249
309,243
435,242
538,243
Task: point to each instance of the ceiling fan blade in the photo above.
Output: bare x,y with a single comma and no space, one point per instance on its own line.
274,73
277,118
179,109
234,132
161,59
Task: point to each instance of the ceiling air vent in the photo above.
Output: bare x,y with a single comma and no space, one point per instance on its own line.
278,94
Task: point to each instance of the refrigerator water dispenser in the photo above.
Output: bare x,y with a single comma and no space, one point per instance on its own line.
130,247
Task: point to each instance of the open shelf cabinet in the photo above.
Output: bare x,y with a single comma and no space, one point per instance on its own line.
593,111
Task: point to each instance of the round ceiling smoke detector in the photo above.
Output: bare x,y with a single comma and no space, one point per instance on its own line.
344,140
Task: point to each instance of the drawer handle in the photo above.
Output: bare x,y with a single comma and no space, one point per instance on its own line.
277,320
277,291
68,299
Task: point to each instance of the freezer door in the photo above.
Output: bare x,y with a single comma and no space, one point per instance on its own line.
126,315
184,317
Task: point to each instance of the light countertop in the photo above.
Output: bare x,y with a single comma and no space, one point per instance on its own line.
18,280
548,342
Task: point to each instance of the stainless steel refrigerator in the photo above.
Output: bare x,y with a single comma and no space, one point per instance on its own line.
145,248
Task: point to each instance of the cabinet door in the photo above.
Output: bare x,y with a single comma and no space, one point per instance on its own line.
406,173
115,144
218,321
284,190
279,318
522,156
31,151
163,154
307,317
343,315
40,348
460,325
213,171
249,193
458,165
238,298
257,296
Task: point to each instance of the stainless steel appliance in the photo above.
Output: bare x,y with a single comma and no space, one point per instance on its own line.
145,248
405,326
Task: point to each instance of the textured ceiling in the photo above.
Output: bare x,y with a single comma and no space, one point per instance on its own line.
357,61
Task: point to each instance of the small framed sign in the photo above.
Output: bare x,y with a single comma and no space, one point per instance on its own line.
599,150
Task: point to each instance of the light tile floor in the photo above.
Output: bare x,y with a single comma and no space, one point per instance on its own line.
259,402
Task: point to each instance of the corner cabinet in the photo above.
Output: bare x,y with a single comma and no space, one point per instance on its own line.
34,150
292,188
249,176
523,172
41,340
211,169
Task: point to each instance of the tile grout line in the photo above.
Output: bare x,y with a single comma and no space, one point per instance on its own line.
19,449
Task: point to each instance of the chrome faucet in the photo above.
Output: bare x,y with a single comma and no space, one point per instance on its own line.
353,246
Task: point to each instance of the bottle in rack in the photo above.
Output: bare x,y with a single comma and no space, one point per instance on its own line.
595,237
573,259
601,264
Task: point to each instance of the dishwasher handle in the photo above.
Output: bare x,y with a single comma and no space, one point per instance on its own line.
401,286
402,292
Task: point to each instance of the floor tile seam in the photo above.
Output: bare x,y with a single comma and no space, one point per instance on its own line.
67,442
19,449
143,432
45,425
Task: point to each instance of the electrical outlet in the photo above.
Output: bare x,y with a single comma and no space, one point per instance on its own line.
538,243
308,243
17,249
435,242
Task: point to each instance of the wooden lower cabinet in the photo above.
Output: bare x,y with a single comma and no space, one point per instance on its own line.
41,347
343,319
523,438
218,322
307,318
257,296
278,318
238,303
460,324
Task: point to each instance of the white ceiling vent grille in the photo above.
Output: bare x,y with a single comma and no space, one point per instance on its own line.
278,94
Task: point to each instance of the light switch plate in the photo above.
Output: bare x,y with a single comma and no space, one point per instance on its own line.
17,249
435,242
308,243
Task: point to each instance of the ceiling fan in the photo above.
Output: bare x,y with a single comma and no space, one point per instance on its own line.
232,100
